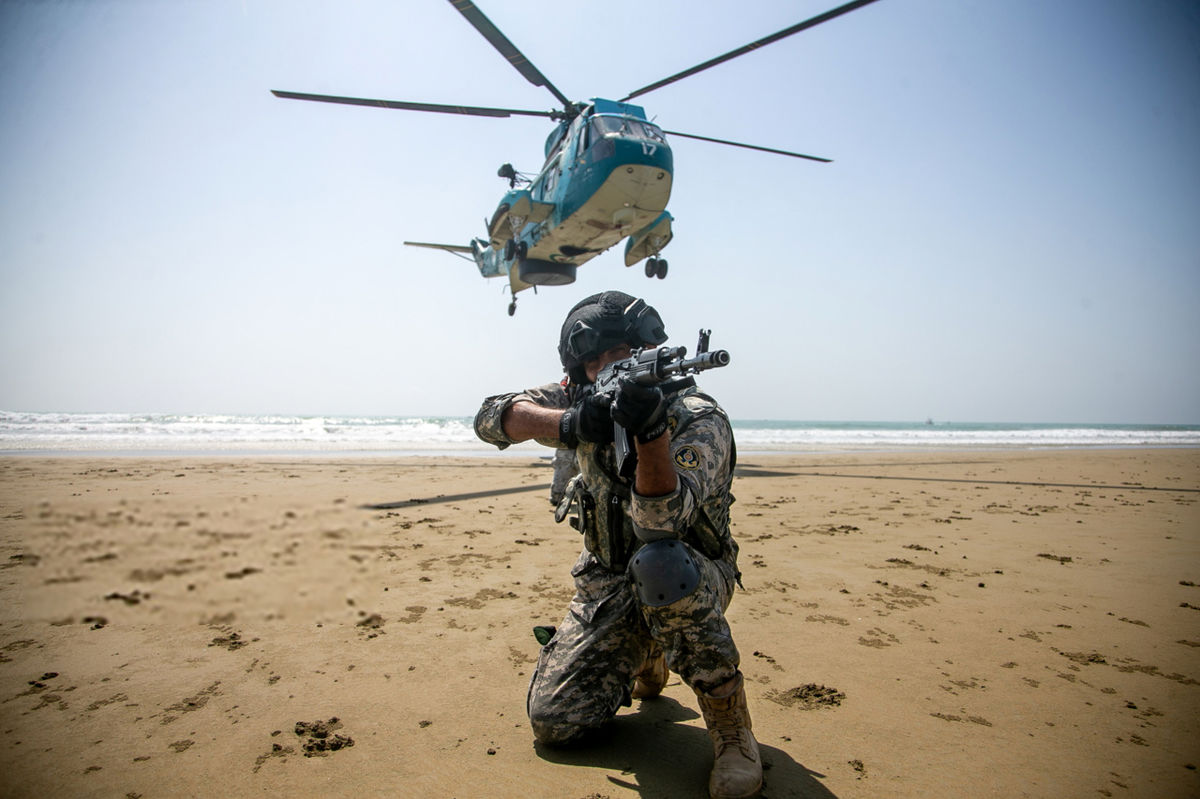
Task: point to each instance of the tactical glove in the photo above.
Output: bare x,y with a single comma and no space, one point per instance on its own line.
640,410
587,420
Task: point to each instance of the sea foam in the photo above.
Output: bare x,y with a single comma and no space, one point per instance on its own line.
183,433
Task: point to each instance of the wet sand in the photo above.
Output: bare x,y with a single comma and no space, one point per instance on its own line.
935,624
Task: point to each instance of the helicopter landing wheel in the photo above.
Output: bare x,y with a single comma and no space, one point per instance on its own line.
651,266
510,249
512,307
660,271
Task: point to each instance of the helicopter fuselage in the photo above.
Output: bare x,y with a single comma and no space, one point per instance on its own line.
607,176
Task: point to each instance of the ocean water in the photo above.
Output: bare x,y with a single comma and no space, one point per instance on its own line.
83,433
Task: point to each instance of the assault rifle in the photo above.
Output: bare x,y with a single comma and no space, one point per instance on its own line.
651,367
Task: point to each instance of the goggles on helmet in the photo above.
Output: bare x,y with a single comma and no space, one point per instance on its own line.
644,324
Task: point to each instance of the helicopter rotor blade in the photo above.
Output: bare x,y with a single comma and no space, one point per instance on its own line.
469,110
506,48
749,146
774,37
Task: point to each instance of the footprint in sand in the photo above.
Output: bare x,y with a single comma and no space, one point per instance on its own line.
807,697
319,739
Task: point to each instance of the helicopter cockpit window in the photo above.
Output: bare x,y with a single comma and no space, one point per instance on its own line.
609,125
652,132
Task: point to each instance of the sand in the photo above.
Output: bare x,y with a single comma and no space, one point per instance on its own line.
936,624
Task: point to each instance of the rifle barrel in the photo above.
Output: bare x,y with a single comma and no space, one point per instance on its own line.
705,360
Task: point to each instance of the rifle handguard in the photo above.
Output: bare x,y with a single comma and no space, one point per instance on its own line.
652,367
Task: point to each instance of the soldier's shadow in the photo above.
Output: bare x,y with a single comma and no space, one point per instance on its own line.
660,758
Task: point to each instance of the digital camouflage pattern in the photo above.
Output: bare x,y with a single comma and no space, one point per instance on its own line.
585,673
702,447
565,468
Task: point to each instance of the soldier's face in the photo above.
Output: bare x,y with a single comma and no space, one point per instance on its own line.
617,353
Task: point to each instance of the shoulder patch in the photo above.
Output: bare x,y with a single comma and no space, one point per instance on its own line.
687,458
699,403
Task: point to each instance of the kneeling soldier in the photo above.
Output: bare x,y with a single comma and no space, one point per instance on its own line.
659,565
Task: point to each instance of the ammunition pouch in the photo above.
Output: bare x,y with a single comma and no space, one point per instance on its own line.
602,524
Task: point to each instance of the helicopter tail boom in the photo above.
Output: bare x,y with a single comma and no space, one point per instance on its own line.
478,251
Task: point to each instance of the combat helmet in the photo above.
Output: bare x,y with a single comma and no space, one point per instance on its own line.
602,321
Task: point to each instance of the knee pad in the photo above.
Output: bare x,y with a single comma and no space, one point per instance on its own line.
664,572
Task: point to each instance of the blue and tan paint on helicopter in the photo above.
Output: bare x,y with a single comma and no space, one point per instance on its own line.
607,176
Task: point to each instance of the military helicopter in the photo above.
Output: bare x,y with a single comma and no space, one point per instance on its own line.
606,176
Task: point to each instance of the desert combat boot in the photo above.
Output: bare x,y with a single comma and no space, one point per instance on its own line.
652,677
737,768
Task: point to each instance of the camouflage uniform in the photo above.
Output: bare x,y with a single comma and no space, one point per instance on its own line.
585,673
565,468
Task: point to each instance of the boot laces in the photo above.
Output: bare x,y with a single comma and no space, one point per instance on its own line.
729,729
728,737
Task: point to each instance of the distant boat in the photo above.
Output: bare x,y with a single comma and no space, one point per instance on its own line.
929,421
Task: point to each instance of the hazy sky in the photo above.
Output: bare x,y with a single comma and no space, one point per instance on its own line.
1010,229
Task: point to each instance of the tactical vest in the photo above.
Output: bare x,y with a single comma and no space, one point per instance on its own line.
601,498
